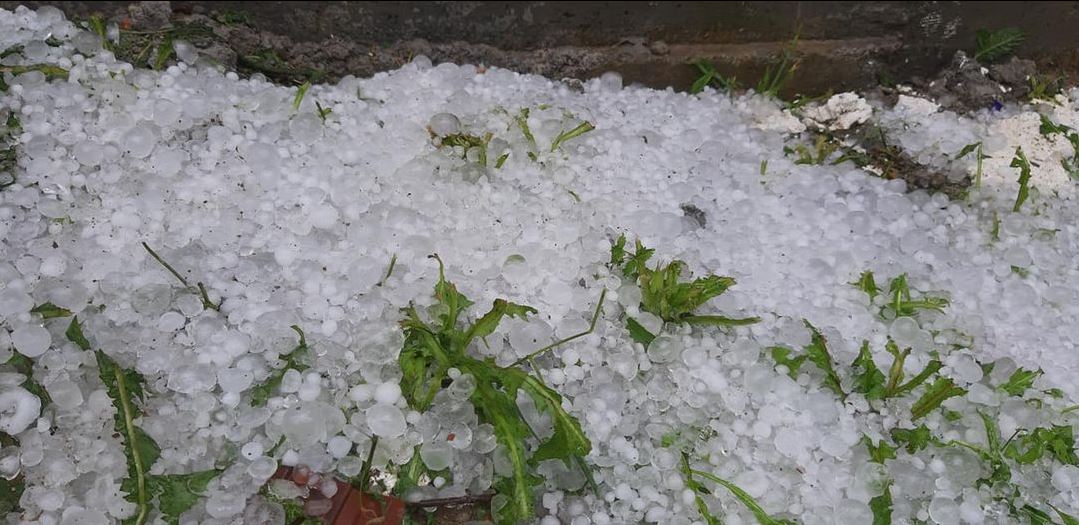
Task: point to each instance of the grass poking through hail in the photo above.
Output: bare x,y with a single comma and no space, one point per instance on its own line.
665,295
171,494
199,287
434,346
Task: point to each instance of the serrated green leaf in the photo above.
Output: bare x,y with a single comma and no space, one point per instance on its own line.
1020,381
1035,515
568,439
25,366
639,333
868,379
879,452
698,491
487,324
941,389
638,261
968,149
49,311
449,298
74,334
496,408
1048,127
817,353
915,438
1020,161
763,518
781,355
867,284
123,387
1068,519
1058,441
176,493
992,45
294,360
618,252
882,506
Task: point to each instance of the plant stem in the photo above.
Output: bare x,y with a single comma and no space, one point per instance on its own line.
365,473
206,302
591,328
132,443
457,500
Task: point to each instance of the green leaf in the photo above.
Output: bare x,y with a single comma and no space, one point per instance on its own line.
879,452
698,491
1020,271
449,298
904,305
300,93
867,284
941,389
568,439
817,353
639,333
719,320
781,355
498,409
968,149
930,368
868,379
25,366
295,360
1068,519
10,494
581,129
992,45
1020,161
1058,441
522,122
1035,515
895,372
882,506
49,311
176,493
763,518
487,324
915,438
74,334
1020,381
124,387
702,81
618,252
1048,127
637,263
708,72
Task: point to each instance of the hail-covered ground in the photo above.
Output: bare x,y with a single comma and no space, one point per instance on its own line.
291,215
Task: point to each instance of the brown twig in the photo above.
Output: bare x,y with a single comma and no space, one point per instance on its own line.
457,500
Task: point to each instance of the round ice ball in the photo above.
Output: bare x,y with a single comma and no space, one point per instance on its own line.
443,124
385,420
18,409
31,340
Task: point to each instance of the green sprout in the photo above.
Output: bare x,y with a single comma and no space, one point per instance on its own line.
432,348
992,45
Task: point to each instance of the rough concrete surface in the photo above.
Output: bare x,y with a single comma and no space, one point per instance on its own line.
842,45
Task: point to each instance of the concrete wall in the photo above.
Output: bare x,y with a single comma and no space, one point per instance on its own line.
843,44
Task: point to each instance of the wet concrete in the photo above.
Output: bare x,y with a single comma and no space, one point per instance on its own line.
842,45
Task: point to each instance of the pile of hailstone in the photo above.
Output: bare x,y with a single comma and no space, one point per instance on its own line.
287,214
